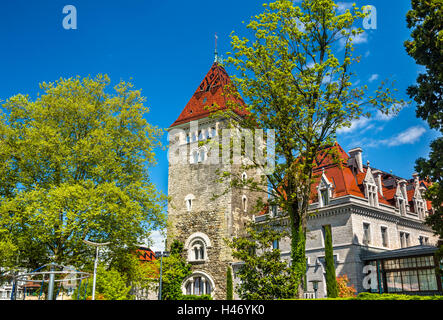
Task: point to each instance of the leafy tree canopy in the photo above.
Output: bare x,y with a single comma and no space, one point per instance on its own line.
74,165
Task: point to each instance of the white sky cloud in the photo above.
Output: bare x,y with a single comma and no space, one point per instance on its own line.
343,6
157,242
373,77
355,124
409,136
357,39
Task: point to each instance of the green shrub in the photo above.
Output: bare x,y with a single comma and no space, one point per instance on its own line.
387,296
390,296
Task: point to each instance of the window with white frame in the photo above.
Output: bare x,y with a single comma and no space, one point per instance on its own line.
371,189
420,208
198,284
245,203
324,197
197,246
404,239
198,250
366,233
384,236
372,195
202,155
189,201
324,190
401,204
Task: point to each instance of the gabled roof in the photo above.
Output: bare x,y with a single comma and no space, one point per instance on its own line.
347,181
212,91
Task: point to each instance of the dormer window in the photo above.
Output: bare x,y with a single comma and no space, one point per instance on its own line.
371,189
420,208
372,195
419,203
324,197
401,206
400,200
324,190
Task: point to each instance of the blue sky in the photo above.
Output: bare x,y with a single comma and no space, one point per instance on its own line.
166,47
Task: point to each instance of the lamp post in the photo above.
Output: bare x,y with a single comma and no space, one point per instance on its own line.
161,254
315,287
97,246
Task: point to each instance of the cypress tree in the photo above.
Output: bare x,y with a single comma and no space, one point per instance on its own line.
331,280
229,286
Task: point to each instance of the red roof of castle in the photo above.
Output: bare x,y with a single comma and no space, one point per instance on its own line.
346,181
211,91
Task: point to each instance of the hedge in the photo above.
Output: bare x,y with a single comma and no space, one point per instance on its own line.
388,296
194,297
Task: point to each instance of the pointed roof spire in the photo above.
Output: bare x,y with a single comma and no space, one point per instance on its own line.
216,52
211,92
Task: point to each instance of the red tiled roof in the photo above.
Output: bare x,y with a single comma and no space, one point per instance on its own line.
212,91
334,161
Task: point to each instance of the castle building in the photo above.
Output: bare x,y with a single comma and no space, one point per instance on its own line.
370,211
194,217
376,219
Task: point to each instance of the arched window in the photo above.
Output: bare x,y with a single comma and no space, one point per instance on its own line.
198,284
197,246
198,250
244,177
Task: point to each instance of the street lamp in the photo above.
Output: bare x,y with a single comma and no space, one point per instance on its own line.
161,254
97,245
315,287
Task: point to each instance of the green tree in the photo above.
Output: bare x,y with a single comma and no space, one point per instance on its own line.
295,73
263,276
331,280
229,284
175,271
110,285
77,159
425,20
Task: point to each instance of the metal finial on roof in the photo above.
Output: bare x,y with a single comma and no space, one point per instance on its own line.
368,163
216,53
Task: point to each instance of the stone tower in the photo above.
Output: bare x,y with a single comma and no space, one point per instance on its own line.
195,217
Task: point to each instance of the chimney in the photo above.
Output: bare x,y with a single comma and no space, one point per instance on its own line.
416,179
377,175
355,157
